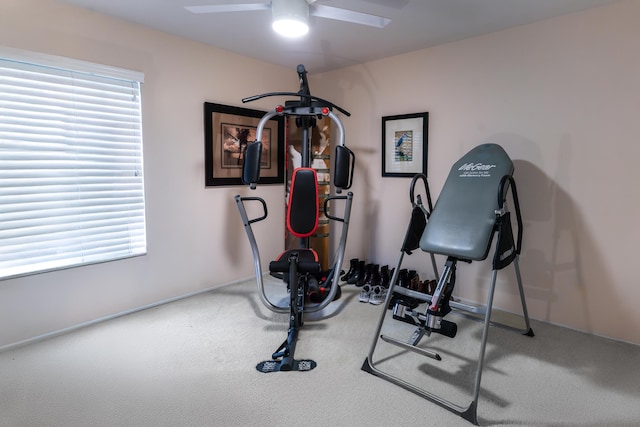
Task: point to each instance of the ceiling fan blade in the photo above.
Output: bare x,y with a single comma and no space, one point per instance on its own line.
228,8
348,16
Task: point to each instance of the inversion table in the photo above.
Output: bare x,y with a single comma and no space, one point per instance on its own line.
471,209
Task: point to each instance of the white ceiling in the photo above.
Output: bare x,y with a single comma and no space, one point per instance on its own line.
329,45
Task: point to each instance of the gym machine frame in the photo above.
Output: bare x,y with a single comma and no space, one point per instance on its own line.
298,267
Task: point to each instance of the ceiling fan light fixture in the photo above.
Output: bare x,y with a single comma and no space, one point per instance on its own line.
290,17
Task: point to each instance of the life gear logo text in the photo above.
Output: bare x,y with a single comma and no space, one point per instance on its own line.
472,170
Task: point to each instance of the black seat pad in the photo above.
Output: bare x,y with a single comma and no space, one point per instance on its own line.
307,261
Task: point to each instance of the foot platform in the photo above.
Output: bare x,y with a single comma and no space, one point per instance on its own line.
280,365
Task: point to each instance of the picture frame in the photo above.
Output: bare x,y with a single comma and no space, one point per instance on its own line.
405,145
227,130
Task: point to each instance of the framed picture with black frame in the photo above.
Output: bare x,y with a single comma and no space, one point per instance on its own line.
404,145
227,131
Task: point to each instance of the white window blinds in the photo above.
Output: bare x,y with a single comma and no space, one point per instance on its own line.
71,176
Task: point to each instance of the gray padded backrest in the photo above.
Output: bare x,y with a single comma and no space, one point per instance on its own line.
462,221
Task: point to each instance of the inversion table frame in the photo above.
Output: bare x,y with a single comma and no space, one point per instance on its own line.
445,231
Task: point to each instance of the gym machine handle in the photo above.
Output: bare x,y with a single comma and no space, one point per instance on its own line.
305,94
246,220
329,104
325,207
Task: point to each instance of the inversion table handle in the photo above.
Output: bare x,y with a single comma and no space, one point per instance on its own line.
412,187
506,182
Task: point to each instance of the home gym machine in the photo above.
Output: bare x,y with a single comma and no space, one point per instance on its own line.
310,289
471,209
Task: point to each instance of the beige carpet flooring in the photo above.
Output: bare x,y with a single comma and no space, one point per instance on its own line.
192,363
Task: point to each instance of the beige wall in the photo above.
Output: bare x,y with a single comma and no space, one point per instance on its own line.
561,96
195,236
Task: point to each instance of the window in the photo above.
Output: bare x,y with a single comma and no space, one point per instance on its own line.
71,176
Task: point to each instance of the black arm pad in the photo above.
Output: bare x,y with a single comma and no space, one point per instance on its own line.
343,167
251,164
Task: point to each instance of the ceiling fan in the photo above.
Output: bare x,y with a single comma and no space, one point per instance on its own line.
290,17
